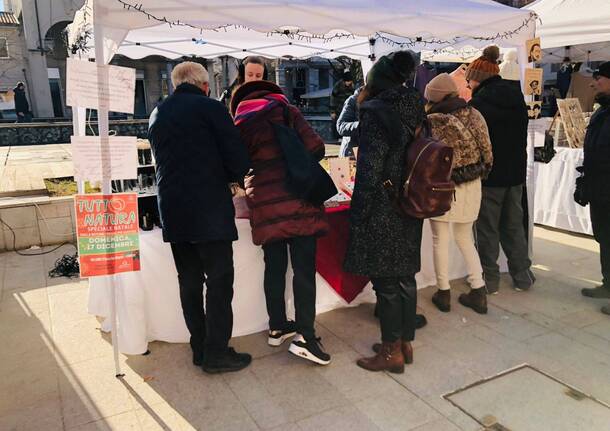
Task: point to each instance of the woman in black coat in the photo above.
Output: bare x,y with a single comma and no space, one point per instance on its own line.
385,245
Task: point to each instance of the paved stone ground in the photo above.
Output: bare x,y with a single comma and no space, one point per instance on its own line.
56,368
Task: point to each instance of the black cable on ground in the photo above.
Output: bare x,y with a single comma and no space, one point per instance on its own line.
20,253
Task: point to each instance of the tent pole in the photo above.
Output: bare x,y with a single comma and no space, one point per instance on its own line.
102,121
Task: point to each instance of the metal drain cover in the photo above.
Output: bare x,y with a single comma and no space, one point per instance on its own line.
526,399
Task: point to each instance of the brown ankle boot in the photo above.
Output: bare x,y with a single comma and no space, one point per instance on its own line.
442,300
389,358
475,299
407,350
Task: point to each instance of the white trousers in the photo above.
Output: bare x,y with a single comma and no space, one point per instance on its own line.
462,233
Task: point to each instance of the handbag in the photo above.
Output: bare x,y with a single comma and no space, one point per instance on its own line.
546,153
305,177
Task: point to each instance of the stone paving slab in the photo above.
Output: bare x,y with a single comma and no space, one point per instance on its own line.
58,369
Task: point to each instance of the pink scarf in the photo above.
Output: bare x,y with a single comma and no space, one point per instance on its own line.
251,107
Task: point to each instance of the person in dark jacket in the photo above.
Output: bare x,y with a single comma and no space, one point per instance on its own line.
280,221
198,152
385,245
500,218
22,107
347,125
596,169
343,89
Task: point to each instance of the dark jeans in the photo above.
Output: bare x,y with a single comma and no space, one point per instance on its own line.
212,263
303,258
501,222
600,219
396,304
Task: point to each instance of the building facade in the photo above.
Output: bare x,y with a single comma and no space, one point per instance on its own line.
12,61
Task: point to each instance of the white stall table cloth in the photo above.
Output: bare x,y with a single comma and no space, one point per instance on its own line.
554,201
148,301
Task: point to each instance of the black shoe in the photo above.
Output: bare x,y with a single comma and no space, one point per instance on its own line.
197,349
198,358
420,321
309,349
226,361
597,292
278,336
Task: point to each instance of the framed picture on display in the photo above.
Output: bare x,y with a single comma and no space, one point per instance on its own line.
534,51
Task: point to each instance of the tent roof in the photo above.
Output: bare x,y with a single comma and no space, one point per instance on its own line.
314,27
582,24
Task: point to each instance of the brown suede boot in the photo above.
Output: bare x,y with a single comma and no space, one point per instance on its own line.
407,350
442,300
475,299
389,358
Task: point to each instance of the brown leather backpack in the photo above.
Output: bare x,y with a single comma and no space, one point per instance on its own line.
428,190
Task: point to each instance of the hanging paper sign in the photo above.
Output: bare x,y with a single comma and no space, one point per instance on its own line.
107,233
533,82
91,85
534,51
104,158
533,110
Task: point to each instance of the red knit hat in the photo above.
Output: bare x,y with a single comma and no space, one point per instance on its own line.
486,66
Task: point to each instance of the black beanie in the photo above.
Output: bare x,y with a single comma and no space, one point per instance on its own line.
390,71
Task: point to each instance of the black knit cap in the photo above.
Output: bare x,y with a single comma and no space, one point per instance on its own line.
390,71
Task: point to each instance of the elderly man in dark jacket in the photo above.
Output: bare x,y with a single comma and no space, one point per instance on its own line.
596,169
501,215
198,152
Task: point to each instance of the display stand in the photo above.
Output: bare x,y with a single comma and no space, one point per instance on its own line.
573,122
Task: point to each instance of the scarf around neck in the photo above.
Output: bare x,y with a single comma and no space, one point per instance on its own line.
249,108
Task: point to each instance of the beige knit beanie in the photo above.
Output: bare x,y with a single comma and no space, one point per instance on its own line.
440,87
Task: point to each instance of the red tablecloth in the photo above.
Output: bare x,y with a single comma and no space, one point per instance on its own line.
331,252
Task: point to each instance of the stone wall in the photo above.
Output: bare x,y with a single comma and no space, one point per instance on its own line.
37,222
59,133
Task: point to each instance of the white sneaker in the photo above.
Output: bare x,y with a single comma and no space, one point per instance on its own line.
278,336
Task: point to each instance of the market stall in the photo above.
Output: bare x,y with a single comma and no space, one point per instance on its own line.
148,302
579,31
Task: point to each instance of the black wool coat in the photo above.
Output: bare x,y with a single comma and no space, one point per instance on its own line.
21,101
597,154
505,112
384,243
198,152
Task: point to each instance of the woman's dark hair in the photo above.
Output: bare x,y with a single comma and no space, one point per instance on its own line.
390,71
241,75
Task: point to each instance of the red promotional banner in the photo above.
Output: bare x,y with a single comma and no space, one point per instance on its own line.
108,233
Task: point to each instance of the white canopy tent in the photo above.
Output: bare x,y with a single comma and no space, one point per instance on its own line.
583,25
299,29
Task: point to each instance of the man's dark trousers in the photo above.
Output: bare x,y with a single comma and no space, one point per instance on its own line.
303,258
212,263
600,219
